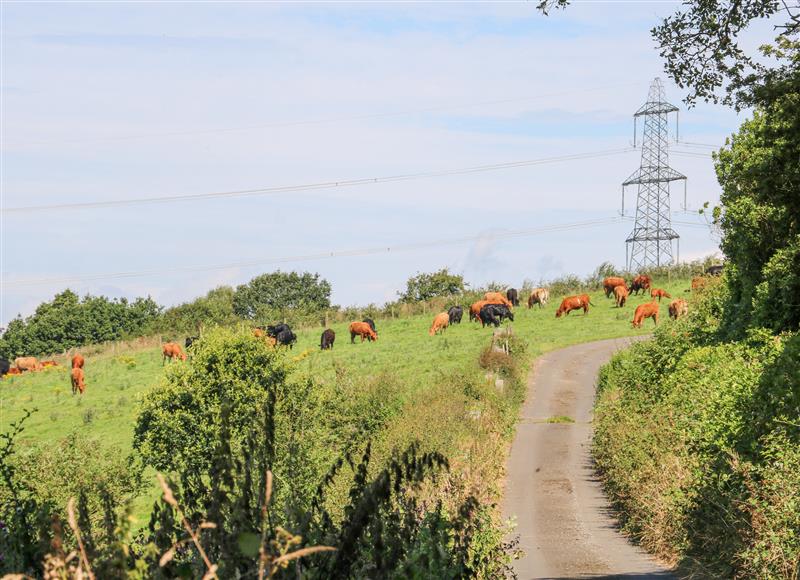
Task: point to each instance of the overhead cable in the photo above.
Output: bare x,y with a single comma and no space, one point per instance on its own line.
316,256
262,191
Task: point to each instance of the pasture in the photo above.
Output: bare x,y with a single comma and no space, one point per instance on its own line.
404,352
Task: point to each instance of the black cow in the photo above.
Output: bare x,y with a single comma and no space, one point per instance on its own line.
512,296
190,340
274,330
715,270
371,324
5,366
454,314
286,338
326,342
494,314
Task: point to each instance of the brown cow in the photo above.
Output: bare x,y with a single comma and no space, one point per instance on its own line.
538,296
659,293
77,361
14,371
620,295
699,283
678,308
612,282
46,364
475,309
440,323
77,380
497,298
363,330
571,303
258,333
172,350
27,363
646,310
641,282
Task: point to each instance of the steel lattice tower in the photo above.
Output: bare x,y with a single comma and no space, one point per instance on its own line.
650,242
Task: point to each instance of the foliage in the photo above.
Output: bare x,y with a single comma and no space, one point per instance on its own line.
425,286
697,441
279,291
68,321
760,217
701,47
215,308
179,421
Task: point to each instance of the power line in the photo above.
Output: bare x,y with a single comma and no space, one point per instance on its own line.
313,186
331,120
317,256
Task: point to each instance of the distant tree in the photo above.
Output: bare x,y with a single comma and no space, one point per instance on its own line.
279,291
702,53
216,307
69,321
426,286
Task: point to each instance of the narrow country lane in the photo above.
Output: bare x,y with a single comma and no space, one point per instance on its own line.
563,519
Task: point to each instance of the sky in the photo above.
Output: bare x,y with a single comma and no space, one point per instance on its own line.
106,101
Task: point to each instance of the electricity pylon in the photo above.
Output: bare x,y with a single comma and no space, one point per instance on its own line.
650,242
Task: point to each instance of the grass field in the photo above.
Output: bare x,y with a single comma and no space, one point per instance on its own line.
404,349
116,378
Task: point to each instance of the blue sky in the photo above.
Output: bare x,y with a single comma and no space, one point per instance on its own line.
113,101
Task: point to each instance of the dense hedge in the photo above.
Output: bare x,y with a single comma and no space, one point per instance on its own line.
698,442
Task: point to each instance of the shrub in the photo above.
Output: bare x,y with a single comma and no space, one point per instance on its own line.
435,284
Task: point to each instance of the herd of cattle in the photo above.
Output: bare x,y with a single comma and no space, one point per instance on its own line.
490,311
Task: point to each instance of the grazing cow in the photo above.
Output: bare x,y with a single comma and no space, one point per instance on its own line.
494,314
698,283
646,310
190,340
475,309
620,295
440,323
77,361
363,330
641,282
678,308
571,303
540,296
77,378
27,363
497,298
454,315
259,332
371,324
715,270
172,350
659,293
610,283
274,330
512,296
46,364
286,338
5,366
326,341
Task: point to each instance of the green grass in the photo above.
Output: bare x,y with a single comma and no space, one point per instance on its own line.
404,350
559,419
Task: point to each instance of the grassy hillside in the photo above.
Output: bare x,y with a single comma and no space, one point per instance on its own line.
405,351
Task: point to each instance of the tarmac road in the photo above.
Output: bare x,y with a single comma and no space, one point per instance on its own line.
563,519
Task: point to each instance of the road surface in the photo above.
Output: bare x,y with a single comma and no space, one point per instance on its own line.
563,519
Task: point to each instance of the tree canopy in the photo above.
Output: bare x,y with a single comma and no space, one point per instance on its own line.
425,286
701,47
279,291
